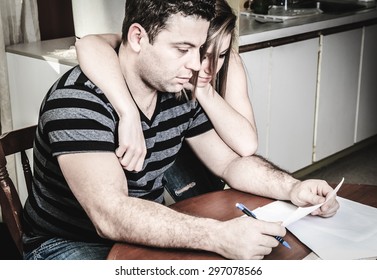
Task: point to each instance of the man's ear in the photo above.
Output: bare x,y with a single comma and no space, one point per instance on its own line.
136,33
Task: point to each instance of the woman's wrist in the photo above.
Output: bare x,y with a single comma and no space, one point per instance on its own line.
204,93
128,109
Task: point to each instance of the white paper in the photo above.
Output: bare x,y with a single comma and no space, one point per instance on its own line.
350,234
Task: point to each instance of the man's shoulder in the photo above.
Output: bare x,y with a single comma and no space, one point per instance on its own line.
74,77
74,90
72,83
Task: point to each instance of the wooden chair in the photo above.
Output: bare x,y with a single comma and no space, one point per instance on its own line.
17,141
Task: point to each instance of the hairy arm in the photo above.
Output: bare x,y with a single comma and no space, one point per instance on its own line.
99,184
249,174
232,116
255,175
100,63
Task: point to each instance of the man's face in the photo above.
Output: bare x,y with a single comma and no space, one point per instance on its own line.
169,63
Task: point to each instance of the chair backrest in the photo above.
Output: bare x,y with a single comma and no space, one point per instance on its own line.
16,141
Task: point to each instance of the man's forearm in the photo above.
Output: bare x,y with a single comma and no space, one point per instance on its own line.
153,224
256,175
97,180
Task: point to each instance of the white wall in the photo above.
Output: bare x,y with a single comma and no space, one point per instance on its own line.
97,16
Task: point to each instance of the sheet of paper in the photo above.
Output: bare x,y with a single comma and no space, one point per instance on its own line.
350,234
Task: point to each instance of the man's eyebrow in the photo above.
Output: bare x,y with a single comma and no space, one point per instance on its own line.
185,44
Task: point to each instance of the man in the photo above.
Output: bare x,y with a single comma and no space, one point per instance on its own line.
83,200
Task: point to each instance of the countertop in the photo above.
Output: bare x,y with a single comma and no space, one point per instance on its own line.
251,32
57,50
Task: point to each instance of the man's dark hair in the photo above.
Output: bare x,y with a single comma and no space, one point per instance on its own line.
152,15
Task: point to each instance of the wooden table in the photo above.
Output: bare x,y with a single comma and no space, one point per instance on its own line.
220,205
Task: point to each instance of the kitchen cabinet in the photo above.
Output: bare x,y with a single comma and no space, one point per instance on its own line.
338,82
293,92
282,90
316,97
366,122
29,80
257,64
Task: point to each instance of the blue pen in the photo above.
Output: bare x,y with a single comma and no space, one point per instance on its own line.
244,209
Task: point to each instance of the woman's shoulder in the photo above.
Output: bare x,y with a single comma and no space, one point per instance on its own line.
236,64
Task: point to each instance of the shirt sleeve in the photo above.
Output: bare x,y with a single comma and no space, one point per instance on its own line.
200,123
78,121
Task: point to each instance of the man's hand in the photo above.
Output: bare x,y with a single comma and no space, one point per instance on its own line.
246,238
312,192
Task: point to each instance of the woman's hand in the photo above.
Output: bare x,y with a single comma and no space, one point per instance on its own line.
132,149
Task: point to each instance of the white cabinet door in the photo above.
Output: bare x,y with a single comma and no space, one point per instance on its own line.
29,81
292,110
337,92
367,104
257,65
282,90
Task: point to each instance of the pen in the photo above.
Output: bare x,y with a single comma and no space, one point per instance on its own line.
244,209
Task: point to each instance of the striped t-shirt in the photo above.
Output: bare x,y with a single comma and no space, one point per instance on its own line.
76,116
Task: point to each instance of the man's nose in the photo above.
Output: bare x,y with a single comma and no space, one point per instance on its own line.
194,62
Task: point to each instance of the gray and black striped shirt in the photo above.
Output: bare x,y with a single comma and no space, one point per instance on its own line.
75,116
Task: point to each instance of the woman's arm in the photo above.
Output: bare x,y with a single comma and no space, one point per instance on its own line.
99,62
232,117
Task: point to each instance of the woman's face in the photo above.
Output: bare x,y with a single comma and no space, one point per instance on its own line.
206,73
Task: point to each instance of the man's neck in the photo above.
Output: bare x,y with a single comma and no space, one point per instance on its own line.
144,96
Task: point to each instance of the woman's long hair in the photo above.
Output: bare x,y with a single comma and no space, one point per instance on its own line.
221,26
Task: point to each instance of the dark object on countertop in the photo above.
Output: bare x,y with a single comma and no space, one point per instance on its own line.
330,7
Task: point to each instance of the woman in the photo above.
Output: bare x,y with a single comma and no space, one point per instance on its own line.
221,89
